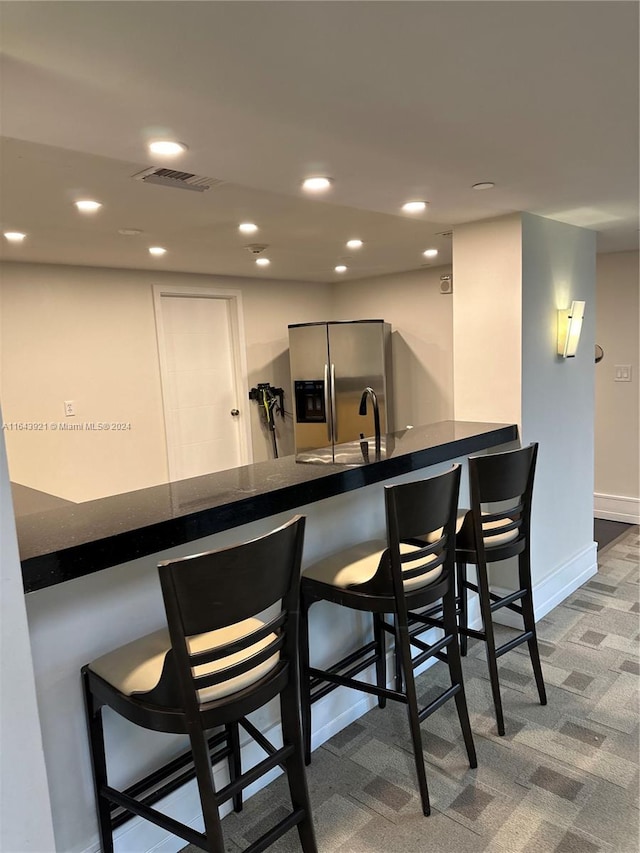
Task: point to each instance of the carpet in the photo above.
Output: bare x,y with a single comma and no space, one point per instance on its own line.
564,779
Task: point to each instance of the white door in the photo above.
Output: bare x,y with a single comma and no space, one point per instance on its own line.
205,412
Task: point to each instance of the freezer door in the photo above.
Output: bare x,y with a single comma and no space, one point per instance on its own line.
309,360
357,359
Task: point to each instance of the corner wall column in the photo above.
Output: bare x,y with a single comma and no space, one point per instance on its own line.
510,277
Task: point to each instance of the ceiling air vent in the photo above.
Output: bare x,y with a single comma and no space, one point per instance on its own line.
175,178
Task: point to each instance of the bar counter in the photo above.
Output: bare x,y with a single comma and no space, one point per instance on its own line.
72,540
107,552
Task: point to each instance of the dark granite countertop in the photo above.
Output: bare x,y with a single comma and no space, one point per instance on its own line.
71,540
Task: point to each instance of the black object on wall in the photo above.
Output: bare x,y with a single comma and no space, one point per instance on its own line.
271,401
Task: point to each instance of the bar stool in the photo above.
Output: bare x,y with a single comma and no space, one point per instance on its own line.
488,535
217,661
394,578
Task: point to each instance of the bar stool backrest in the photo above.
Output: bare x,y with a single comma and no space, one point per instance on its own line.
212,591
414,511
505,479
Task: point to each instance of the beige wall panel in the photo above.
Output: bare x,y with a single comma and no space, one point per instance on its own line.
88,335
487,310
617,427
421,341
85,335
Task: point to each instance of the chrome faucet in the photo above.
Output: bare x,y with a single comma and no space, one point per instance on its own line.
369,392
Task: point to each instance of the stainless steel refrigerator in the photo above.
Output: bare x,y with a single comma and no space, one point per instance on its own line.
332,366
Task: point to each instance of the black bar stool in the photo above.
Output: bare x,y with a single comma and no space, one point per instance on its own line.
394,580
216,663
488,535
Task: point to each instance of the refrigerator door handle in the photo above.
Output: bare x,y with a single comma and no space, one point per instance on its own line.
327,407
334,406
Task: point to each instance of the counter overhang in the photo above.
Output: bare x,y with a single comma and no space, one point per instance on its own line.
79,539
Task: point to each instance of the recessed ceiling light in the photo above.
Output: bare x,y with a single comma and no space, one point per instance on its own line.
354,244
414,206
483,185
340,268
263,262
167,147
247,227
157,250
430,253
129,232
87,205
14,236
317,184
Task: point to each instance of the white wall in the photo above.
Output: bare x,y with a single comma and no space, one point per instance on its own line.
617,427
25,813
510,277
88,334
421,321
558,265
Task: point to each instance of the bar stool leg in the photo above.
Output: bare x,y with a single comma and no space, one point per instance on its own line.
396,657
305,679
296,778
524,571
490,642
99,765
463,617
208,800
381,657
412,713
455,671
235,761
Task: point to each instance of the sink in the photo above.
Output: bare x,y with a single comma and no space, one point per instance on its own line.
350,454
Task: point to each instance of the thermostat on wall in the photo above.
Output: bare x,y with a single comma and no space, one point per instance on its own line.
446,283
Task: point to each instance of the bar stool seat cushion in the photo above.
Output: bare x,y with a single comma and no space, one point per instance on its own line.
359,563
138,667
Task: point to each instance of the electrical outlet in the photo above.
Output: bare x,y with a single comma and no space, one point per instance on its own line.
69,408
622,372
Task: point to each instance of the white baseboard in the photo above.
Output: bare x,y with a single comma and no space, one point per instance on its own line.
557,586
616,508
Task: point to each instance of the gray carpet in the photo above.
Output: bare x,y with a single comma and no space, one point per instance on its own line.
564,779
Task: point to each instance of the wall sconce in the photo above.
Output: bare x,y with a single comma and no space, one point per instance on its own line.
569,328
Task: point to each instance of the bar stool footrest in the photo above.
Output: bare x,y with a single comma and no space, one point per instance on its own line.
512,644
322,676
507,600
422,623
345,681
357,655
471,632
142,809
431,648
276,832
437,703
500,601
277,758
150,789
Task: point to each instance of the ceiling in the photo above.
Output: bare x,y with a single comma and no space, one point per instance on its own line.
394,100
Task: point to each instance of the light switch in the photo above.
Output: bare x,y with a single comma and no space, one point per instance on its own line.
622,372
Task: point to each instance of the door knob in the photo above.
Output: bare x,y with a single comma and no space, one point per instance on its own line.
235,413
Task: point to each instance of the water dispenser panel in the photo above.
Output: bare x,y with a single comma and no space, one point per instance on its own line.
309,402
